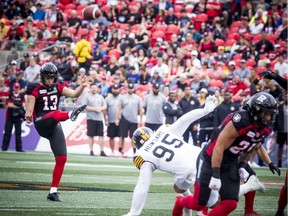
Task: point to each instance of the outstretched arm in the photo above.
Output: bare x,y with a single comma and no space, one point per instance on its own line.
85,81
179,127
141,189
280,80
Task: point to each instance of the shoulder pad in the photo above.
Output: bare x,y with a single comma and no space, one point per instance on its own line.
138,161
30,87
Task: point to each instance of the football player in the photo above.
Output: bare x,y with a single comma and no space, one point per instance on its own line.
241,131
165,150
42,108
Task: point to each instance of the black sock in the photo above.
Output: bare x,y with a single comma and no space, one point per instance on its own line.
134,150
120,149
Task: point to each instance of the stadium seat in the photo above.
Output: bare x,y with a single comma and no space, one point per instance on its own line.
200,18
219,42
260,69
237,56
235,24
114,52
155,35
134,28
256,38
247,36
69,6
60,6
171,29
250,63
178,8
160,28
234,36
272,38
80,7
230,43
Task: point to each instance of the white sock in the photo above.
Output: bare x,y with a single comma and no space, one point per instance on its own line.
69,113
244,188
53,190
187,212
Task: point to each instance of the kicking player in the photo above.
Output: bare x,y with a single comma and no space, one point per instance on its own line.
240,132
42,108
165,150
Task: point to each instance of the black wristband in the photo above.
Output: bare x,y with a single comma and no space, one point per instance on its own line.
216,172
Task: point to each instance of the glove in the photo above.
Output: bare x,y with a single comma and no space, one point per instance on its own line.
273,168
210,103
215,184
243,174
267,75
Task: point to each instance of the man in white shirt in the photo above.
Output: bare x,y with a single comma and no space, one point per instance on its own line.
195,61
161,67
281,67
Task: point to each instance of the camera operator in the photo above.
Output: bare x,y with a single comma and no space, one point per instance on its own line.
14,116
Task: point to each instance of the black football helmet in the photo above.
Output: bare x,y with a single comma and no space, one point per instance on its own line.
259,105
141,135
48,70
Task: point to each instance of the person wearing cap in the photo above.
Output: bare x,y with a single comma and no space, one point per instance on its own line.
82,51
14,117
187,103
133,75
96,106
231,68
25,62
31,73
160,67
130,106
196,36
153,107
243,71
102,34
221,56
112,101
18,79
4,29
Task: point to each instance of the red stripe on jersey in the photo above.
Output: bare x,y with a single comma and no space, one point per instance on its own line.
245,130
210,149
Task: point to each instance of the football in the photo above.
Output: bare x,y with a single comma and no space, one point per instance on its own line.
91,12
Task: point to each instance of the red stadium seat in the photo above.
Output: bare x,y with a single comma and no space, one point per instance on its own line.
69,6
171,29
256,38
80,7
200,18
114,52
272,38
178,8
155,35
237,56
230,43
236,24
160,28
250,63
134,28
219,42
260,69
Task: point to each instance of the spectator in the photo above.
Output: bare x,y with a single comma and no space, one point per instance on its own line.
144,76
281,67
39,14
74,22
207,58
183,22
196,83
65,69
170,109
171,19
195,35
213,9
260,15
236,86
142,38
174,69
216,72
130,106
18,79
135,16
251,52
282,28
46,33
112,101
31,73
60,20
221,57
186,104
274,89
12,12
113,41
164,5
225,108
14,116
243,71
156,78
51,14
243,28
101,35
112,66
257,26
264,46
126,40
82,51
133,75
4,92
64,37
270,26
142,57
94,23
195,61
181,83
96,105
4,29
153,107
219,31
199,8
207,43
161,67
160,18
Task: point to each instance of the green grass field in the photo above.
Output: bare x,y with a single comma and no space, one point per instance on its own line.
97,186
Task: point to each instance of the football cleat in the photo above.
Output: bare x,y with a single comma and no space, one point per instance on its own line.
178,209
280,213
53,197
76,112
255,184
253,213
103,154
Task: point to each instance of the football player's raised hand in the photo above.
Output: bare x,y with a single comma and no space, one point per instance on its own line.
210,103
87,81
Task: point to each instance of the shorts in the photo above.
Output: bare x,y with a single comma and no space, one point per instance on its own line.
281,138
113,130
229,178
95,128
126,126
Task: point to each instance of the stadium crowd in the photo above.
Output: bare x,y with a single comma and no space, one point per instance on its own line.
212,47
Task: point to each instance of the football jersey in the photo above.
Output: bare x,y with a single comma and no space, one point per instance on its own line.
46,99
249,136
168,153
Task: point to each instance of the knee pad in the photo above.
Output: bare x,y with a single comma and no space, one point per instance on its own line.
61,160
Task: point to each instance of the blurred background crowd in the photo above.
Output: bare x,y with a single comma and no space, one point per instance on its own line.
210,46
